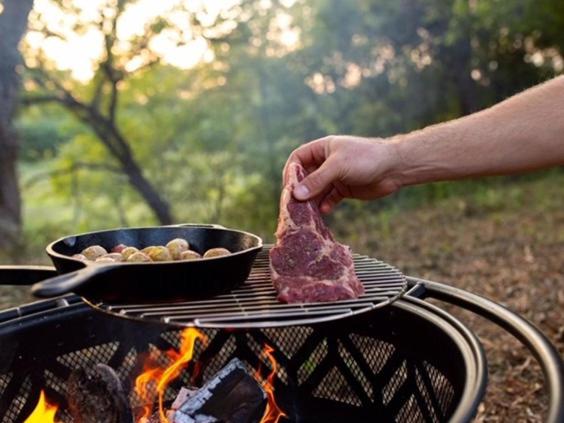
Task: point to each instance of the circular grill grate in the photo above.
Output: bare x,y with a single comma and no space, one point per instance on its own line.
254,304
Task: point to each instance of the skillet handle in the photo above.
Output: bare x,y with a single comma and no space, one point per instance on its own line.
25,275
68,282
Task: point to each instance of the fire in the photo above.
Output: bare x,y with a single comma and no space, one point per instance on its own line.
162,377
155,379
273,413
44,412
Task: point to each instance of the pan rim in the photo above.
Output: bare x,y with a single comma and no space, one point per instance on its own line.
51,252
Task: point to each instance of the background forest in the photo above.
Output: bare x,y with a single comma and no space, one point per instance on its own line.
136,112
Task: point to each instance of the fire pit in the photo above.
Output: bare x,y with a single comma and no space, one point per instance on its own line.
408,361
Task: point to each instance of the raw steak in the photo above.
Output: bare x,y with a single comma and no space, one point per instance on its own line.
307,264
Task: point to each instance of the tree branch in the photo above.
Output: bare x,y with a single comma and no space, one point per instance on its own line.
40,99
38,177
87,113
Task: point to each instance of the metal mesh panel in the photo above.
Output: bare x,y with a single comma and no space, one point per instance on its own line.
172,337
55,383
334,387
375,351
4,380
356,371
221,358
128,364
442,388
427,397
289,340
309,365
395,383
87,356
410,412
18,402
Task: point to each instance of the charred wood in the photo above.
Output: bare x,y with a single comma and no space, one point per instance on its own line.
97,395
231,396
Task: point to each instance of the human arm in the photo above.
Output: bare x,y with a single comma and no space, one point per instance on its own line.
523,133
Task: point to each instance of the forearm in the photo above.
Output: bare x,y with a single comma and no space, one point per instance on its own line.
525,132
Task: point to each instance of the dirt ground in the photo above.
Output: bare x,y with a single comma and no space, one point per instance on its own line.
512,254
514,257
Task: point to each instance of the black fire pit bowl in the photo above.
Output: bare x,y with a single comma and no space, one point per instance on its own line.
409,362
377,366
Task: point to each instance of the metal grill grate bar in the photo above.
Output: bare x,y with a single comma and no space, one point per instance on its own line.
255,304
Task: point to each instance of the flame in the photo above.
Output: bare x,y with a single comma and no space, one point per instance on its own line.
162,377
273,413
44,412
142,388
157,378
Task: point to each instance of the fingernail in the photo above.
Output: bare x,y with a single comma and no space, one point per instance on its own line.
301,192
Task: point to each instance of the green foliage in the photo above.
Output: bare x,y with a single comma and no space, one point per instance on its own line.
42,132
214,138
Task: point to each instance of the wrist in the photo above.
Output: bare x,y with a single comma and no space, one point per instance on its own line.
399,169
419,159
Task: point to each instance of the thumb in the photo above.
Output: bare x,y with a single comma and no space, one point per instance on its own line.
317,181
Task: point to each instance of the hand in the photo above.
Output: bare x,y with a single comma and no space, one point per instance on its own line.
346,167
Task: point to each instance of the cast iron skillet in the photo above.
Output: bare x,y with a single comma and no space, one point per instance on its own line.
127,283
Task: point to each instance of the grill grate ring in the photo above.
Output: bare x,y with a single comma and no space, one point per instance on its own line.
254,304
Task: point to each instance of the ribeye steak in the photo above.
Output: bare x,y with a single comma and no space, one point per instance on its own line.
307,264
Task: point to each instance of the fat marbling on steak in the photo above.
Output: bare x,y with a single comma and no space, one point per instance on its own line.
307,264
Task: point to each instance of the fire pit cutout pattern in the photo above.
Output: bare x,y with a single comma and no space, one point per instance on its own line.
341,369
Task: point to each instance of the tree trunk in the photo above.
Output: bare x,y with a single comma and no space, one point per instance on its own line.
159,206
110,136
13,24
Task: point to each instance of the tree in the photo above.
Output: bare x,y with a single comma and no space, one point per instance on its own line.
96,105
13,22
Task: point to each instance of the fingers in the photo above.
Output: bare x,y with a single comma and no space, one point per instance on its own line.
310,156
330,201
317,181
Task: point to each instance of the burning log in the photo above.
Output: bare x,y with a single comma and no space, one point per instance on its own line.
231,396
97,395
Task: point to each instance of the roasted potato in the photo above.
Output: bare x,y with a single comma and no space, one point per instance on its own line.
216,252
190,255
93,252
159,253
148,249
177,247
119,248
138,257
105,259
117,257
128,251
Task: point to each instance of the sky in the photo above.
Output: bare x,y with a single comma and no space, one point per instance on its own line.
78,52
